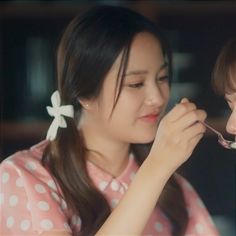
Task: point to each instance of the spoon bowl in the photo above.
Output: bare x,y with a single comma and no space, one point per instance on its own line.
221,140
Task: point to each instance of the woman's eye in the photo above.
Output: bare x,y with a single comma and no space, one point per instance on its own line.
163,78
136,85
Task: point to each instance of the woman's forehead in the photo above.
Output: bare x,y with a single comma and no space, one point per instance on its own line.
137,53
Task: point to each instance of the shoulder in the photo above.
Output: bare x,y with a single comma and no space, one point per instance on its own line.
26,167
191,196
28,160
200,221
30,199
34,152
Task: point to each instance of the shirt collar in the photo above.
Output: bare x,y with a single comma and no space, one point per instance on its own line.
99,176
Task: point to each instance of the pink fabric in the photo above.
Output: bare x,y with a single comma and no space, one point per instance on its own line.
31,202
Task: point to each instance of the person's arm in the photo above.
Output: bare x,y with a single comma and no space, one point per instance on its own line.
133,211
177,136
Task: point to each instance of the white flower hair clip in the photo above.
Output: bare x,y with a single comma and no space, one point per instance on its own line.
58,111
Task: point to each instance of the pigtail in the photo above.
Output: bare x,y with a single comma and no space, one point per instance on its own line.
65,159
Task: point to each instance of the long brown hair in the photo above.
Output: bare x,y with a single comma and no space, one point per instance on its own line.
224,72
89,47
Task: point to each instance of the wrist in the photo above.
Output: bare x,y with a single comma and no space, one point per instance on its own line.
161,165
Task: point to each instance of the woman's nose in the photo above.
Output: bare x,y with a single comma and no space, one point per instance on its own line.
231,124
155,97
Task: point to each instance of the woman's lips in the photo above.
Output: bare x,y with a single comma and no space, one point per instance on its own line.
152,118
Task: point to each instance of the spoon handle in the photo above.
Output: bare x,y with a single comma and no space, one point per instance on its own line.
212,129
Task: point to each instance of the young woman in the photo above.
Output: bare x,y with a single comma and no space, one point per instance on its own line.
224,80
88,177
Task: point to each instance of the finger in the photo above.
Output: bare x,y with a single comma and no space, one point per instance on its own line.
193,131
193,143
195,140
191,118
179,110
184,100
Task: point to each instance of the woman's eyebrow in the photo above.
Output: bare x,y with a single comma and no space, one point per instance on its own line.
136,72
143,72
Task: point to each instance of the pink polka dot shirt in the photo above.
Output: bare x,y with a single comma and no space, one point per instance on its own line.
31,202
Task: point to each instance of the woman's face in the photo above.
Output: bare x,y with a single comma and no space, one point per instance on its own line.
143,98
231,124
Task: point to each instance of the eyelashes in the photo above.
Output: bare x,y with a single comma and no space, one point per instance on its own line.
163,78
136,85
141,84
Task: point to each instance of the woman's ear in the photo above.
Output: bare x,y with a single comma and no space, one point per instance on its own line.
84,103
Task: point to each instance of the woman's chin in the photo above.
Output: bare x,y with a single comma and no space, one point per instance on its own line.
142,139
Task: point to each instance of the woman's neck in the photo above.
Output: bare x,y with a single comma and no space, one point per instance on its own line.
109,155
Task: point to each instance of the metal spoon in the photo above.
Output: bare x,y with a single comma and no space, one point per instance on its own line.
221,140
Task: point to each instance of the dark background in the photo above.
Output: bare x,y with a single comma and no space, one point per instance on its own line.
29,33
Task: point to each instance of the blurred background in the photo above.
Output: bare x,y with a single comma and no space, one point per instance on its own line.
29,34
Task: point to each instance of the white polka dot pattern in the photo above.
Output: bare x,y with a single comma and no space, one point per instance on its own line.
158,227
76,220
66,226
31,166
199,229
27,202
39,188
102,185
44,206
115,185
114,203
13,200
46,224
34,203
199,223
10,222
55,196
52,185
132,175
200,203
5,177
25,225
63,204
19,182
